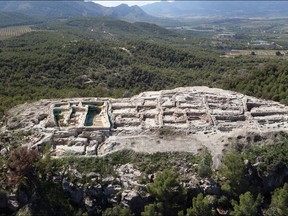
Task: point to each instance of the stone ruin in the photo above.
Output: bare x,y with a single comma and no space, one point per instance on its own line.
183,119
80,114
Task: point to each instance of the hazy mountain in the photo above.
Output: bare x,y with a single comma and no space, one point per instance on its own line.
217,8
99,28
72,9
12,19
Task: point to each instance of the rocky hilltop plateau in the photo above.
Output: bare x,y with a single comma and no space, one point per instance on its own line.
183,119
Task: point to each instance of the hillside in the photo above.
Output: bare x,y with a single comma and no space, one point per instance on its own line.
72,9
61,63
217,8
103,117
15,19
213,118
106,28
193,144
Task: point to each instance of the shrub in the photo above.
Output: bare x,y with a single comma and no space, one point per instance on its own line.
21,163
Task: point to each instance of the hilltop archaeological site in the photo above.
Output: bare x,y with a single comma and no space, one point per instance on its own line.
183,119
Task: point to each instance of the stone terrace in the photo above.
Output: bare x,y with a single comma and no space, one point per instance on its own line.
197,109
193,118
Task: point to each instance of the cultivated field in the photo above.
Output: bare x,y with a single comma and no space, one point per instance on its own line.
259,53
13,31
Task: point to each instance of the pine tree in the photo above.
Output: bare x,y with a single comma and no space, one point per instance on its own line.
247,206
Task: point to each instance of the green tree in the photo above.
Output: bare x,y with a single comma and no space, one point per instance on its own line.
233,169
200,207
117,211
167,190
204,169
247,206
153,210
279,202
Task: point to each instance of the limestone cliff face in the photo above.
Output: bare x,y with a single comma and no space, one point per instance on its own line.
183,119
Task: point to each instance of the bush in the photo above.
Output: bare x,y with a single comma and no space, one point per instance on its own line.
204,169
279,202
167,190
21,163
117,211
200,207
233,169
247,206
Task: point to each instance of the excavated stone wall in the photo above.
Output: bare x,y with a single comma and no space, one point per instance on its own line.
182,119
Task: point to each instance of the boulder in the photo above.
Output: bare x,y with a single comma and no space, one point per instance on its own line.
108,180
133,200
112,190
13,204
42,116
88,202
35,121
93,175
128,175
91,150
4,151
79,141
75,173
210,187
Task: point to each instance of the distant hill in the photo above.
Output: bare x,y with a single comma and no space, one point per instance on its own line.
13,19
99,28
217,8
72,9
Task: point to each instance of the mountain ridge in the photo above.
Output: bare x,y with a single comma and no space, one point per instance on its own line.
72,9
15,19
216,8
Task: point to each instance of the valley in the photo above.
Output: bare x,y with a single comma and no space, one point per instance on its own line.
164,109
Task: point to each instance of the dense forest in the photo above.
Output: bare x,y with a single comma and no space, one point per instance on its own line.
69,63
97,57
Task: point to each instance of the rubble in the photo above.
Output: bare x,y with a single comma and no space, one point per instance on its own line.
183,119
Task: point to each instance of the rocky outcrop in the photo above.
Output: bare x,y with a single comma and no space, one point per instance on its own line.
183,119
132,200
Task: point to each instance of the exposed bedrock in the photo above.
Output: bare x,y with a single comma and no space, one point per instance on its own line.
183,119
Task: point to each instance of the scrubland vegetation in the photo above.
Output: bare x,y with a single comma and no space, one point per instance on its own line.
247,181
104,57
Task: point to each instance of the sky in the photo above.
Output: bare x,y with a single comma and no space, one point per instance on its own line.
130,3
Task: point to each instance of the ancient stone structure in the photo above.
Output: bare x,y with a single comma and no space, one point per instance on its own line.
80,114
183,119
